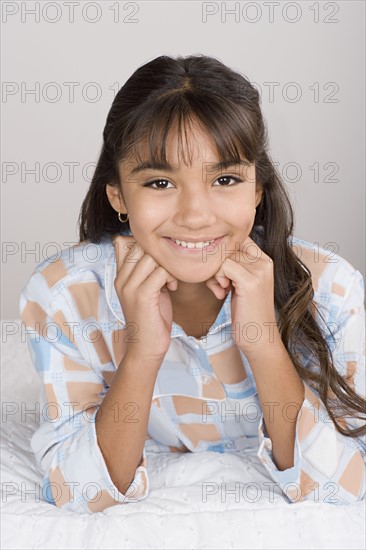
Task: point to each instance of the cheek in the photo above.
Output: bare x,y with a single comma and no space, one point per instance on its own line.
140,226
145,217
140,229
243,218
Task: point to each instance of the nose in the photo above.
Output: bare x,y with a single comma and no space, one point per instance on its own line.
195,209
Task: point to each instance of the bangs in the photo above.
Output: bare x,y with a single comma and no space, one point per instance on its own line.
229,130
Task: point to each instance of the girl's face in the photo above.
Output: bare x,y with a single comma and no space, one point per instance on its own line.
200,202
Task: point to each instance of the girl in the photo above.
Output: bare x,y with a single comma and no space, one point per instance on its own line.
188,301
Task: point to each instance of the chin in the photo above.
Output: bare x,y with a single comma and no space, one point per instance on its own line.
192,280
191,276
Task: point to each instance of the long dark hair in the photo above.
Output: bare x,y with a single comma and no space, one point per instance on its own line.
227,105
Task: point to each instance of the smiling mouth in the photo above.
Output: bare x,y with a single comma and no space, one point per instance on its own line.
192,246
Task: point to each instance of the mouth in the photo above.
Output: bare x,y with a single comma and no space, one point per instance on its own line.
193,246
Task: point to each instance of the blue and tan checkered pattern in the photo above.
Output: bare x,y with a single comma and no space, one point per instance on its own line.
205,397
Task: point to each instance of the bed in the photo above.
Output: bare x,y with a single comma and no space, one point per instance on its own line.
196,500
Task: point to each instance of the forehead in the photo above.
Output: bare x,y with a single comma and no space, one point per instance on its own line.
193,147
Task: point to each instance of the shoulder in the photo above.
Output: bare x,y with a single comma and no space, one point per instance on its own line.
78,269
331,273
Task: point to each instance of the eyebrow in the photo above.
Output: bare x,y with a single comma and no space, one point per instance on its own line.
153,165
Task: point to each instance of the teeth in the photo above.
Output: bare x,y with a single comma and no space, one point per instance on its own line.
193,245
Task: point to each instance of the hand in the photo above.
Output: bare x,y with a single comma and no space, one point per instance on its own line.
141,285
248,272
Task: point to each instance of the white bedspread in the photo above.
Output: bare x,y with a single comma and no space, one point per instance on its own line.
197,500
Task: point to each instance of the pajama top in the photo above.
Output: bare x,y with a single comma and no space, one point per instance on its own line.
205,396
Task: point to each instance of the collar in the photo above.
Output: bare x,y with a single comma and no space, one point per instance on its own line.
223,318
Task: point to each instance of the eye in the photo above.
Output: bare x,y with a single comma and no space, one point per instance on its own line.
164,181
237,180
151,183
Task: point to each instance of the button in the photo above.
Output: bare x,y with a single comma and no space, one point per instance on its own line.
229,444
206,379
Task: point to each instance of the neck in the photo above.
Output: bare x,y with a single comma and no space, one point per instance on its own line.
195,308
195,297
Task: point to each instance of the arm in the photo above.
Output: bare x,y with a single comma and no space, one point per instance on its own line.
281,393
327,465
122,419
65,445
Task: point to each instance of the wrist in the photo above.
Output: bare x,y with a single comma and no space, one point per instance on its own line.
265,347
138,361
266,350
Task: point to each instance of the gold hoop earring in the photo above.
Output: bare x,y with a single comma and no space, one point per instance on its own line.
119,217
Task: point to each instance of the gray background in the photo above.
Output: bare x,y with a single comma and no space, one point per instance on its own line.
313,51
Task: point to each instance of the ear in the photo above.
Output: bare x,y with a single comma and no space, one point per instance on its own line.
115,198
258,193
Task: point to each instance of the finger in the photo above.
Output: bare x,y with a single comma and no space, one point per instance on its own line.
132,275
157,281
216,288
240,274
125,246
221,278
172,282
128,254
173,285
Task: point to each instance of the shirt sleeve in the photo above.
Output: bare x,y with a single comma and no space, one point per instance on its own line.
328,466
65,445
